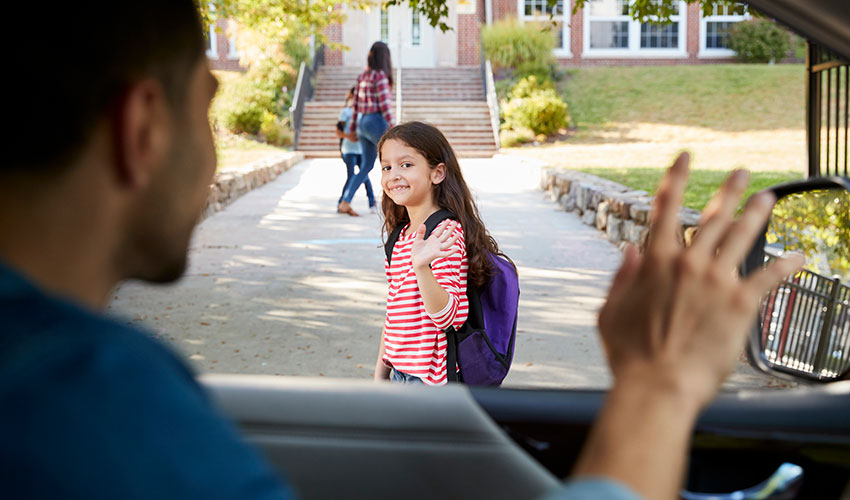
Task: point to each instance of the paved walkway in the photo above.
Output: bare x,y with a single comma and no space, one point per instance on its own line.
279,283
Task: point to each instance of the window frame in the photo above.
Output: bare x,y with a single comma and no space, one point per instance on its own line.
233,53
706,52
564,18
212,36
634,50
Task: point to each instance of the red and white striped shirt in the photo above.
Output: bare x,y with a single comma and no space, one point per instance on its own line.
373,95
414,342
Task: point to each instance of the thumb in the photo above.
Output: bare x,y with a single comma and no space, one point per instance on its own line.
420,233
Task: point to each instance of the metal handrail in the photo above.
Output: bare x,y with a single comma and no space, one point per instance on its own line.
304,91
399,110
492,102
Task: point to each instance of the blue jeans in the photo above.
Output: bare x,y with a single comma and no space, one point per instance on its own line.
370,128
403,378
352,159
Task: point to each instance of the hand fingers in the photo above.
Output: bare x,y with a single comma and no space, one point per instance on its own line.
763,280
740,236
719,214
628,269
450,242
420,233
663,239
447,230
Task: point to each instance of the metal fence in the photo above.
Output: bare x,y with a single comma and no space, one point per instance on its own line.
806,327
827,112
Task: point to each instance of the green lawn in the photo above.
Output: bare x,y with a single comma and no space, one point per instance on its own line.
727,97
701,185
237,151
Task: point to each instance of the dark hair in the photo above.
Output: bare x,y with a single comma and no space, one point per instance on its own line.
84,57
452,194
350,93
379,59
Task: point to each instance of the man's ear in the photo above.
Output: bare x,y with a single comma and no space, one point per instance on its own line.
438,173
142,133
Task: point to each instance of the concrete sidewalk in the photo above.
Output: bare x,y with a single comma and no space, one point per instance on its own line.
279,283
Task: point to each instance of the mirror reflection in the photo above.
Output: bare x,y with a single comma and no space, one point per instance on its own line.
806,319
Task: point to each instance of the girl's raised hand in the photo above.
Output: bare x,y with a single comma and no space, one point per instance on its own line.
423,252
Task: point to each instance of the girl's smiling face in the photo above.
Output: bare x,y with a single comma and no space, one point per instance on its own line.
406,176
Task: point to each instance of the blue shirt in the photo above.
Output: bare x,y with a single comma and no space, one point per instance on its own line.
348,147
90,408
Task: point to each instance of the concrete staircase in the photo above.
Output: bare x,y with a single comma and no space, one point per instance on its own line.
452,99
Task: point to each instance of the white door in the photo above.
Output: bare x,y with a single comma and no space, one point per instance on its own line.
409,36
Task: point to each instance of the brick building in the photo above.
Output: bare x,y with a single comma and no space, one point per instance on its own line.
602,33
221,49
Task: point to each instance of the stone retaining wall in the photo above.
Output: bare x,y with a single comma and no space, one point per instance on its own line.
230,184
621,213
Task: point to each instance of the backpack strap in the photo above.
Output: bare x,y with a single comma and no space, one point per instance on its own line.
435,219
431,223
388,246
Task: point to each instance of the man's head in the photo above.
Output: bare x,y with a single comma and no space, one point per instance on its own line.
119,91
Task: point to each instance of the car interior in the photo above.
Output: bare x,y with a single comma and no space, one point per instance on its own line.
350,438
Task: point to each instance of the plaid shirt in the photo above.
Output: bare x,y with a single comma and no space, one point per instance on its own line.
373,95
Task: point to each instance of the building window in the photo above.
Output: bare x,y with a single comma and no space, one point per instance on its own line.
385,25
717,34
659,36
415,32
212,42
611,32
550,18
715,29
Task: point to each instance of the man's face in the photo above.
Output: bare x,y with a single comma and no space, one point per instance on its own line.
172,206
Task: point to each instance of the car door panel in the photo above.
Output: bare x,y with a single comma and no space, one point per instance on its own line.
355,438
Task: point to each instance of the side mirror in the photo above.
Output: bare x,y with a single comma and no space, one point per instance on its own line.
803,328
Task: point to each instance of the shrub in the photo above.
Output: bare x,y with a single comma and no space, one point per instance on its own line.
759,41
510,138
503,88
274,131
257,101
534,106
519,49
528,86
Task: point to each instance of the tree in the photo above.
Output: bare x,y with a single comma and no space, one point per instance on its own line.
268,15
816,224
641,10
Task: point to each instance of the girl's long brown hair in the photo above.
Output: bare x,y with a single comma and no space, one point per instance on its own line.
452,194
379,59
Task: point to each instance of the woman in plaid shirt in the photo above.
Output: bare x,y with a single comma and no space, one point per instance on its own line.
373,115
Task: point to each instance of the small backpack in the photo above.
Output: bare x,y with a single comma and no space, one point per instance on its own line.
483,347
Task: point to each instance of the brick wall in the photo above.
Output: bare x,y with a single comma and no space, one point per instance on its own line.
468,32
334,34
222,62
693,34
503,9
469,35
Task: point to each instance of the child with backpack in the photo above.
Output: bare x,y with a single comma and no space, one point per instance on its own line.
452,296
351,152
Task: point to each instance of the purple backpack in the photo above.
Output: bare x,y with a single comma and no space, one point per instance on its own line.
483,347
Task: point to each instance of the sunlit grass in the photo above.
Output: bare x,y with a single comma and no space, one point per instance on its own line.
701,184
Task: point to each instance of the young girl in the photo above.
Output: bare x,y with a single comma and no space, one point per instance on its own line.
427,277
350,150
